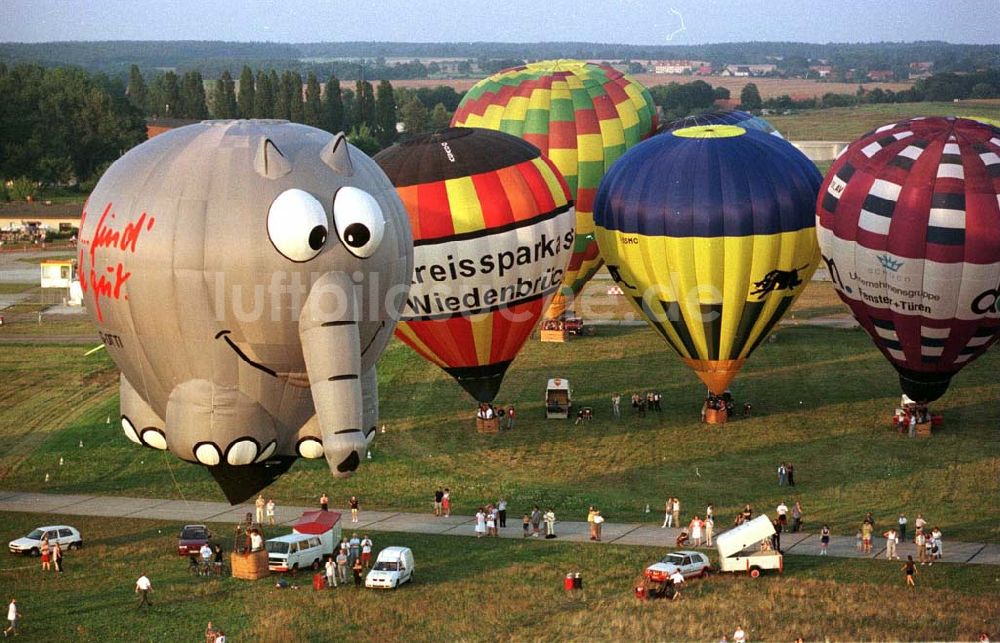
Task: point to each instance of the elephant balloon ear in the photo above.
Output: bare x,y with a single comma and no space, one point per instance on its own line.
269,162
336,156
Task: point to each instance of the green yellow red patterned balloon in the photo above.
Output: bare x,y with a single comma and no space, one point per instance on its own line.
582,116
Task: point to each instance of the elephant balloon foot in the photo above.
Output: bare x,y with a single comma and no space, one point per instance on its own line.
240,483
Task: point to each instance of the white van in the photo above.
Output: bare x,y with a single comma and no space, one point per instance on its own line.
294,552
740,548
393,567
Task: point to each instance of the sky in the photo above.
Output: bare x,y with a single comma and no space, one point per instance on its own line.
640,22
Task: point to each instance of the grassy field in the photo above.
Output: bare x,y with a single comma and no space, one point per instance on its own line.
849,123
481,590
822,400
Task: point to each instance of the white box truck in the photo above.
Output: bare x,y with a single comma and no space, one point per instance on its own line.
743,548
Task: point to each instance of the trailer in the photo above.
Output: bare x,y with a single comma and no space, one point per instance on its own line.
747,548
558,399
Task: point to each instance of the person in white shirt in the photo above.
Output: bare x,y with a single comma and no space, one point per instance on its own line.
739,636
143,586
12,617
890,544
256,541
331,572
269,507
677,578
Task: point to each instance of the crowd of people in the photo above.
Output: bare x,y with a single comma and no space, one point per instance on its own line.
909,415
352,556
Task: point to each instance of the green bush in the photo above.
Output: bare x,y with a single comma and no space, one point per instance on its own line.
22,188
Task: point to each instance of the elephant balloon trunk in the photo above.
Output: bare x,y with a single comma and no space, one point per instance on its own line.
331,347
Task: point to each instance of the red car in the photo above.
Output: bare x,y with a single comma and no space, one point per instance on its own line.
192,538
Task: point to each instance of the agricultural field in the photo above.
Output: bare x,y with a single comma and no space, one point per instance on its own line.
822,399
849,123
768,87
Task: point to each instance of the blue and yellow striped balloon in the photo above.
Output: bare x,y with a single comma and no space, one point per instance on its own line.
710,232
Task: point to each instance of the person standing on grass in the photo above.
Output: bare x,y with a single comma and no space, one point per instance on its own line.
366,551
355,508
218,560
331,572
782,474
536,521
358,571
911,570
709,527
13,617
796,516
890,545
782,510
491,520
57,557
144,588
446,502
269,510
616,409
668,513
590,523
675,509
46,554
502,512
511,415
526,525
936,535
324,502
902,528
259,509
342,565
824,540
747,513
354,545
790,472
739,636
598,521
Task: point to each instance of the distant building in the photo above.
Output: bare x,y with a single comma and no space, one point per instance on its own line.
743,71
57,273
921,69
881,75
677,66
157,126
823,71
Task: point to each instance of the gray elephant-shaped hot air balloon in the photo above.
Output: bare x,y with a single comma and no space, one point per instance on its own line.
245,276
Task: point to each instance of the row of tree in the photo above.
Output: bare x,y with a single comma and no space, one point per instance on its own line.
62,125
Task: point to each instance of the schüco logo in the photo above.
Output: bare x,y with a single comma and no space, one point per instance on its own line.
987,302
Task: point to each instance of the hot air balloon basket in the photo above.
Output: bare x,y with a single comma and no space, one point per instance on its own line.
715,416
249,566
491,425
923,429
553,336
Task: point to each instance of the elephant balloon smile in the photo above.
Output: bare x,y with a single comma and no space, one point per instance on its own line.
245,276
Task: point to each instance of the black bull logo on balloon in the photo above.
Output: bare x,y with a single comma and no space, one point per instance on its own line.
777,280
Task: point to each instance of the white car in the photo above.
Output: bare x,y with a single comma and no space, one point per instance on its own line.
65,535
393,567
691,563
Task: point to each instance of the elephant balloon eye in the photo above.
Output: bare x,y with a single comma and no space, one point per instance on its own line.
297,225
359,221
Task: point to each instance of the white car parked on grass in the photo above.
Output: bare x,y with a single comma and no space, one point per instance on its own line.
691,563
393,567
65,535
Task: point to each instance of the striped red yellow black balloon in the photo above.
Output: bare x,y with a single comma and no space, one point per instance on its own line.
492,224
